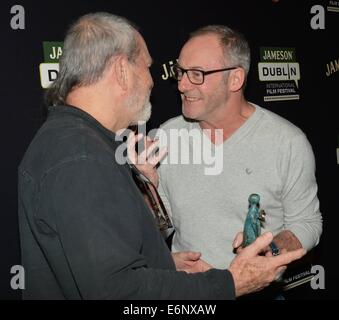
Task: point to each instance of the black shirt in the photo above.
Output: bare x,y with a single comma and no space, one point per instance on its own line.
86,232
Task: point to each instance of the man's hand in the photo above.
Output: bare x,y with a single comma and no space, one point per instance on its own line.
190,262
252,272
237,242
285,241
147,160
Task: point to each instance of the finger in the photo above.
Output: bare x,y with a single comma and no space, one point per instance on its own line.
149,141
140,159
238,240
281,269
138,137
131,140
279,272
288,257
150,148
142,155
204,265
268,253
238,250
258,245
154,160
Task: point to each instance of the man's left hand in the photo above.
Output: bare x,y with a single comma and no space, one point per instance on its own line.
190,262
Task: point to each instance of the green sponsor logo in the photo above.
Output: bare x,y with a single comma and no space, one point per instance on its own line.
277,54
52,51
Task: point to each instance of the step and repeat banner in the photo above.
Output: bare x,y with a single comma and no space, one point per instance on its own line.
294,72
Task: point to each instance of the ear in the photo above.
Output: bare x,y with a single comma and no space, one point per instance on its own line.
236,79
121,66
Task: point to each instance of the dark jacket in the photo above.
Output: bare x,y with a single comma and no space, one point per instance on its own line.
86,232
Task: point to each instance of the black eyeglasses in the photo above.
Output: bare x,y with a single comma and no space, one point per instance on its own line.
196,76
153,198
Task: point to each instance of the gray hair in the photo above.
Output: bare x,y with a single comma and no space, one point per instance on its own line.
233,43
89,46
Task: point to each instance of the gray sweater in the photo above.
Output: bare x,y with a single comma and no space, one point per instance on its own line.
208,201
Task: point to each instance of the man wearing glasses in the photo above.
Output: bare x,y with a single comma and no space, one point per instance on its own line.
86,231
262,154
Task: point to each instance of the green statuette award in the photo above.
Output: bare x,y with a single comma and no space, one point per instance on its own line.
253,223
254,220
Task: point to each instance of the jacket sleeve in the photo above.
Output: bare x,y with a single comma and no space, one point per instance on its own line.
100,230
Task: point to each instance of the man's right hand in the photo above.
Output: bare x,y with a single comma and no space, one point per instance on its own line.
252,272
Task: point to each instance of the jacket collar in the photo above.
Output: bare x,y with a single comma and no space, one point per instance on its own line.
54,111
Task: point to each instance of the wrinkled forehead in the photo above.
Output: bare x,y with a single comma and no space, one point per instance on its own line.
203,50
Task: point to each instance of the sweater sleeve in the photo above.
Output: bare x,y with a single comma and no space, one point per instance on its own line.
101,229
299,193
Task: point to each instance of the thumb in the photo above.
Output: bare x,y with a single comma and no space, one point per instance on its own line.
238,240
193,255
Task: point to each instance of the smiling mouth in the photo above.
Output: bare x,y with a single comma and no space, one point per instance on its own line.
190,99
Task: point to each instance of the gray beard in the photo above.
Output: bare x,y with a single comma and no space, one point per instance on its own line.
145,113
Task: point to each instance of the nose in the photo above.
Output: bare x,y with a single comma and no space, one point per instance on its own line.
184,84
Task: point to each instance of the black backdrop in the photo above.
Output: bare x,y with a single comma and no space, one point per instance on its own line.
165,26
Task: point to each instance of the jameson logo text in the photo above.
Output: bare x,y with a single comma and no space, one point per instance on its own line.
49,69
52,50
332,67
274,55
167,69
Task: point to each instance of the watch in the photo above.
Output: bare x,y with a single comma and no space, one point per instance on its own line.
274,248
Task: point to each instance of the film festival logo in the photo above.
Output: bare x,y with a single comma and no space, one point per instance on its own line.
315,275
280,72
49,69
333,6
